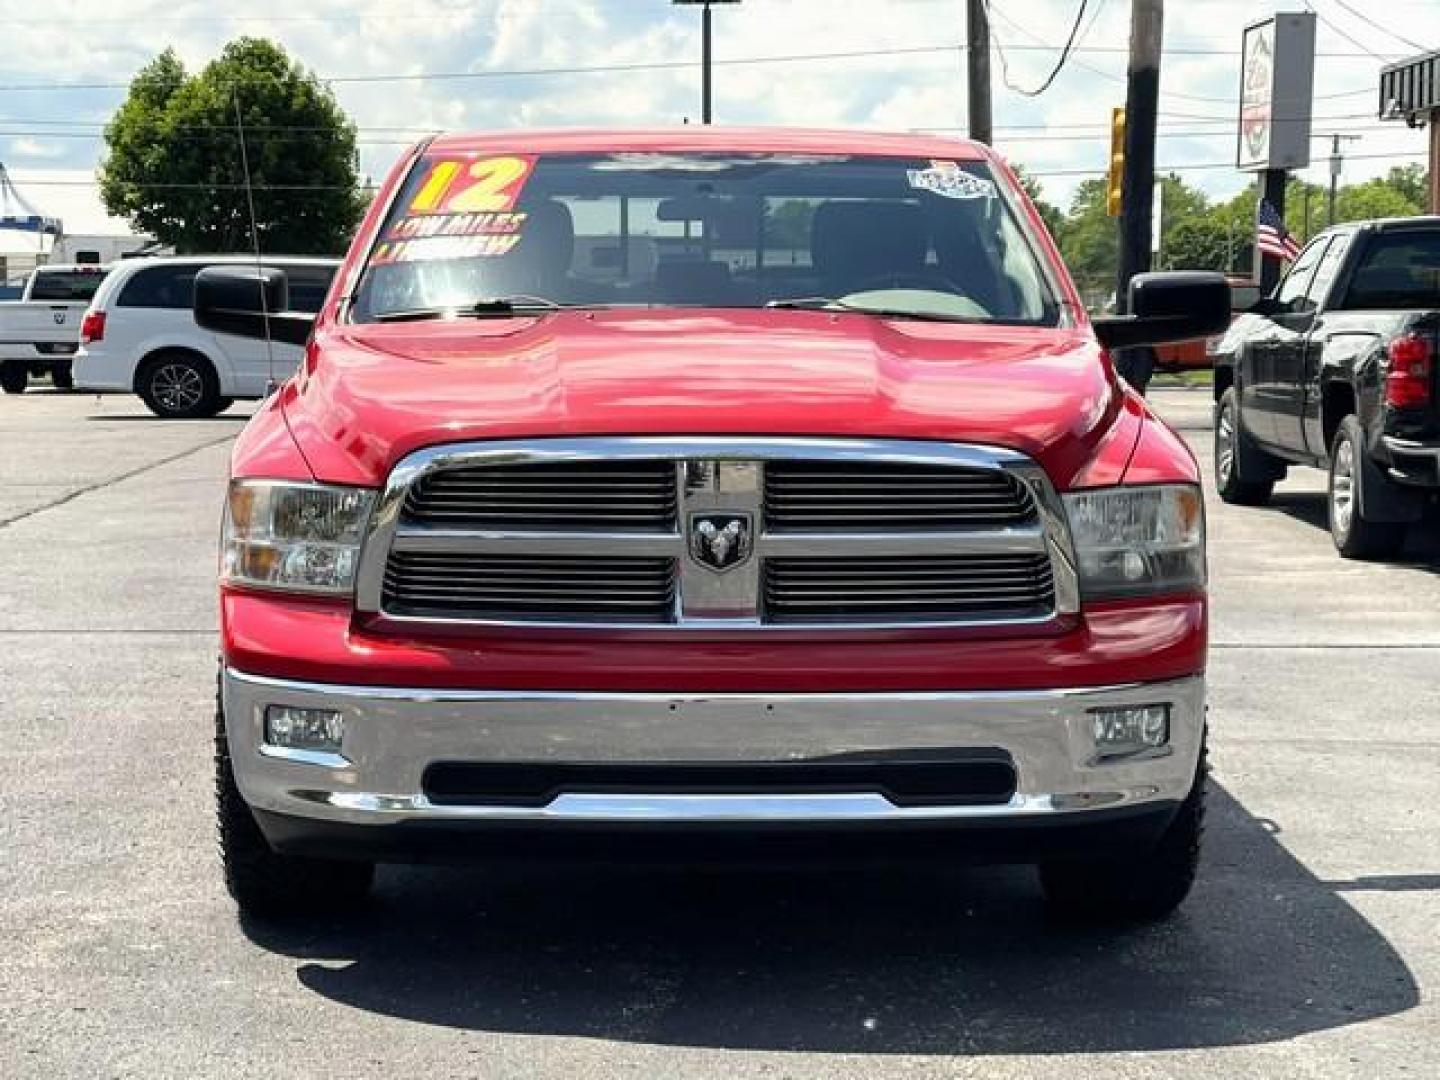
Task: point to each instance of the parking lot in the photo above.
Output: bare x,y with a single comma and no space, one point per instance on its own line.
1308,949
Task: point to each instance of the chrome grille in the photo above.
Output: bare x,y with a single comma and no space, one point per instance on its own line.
530,587
864,496
718,533
637,495
926,588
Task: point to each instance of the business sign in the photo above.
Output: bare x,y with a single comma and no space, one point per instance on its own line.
1277,81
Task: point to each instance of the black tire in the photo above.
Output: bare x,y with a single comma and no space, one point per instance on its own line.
264,883
14,376
1134,888
1233,451
1355,536
179,386
62,374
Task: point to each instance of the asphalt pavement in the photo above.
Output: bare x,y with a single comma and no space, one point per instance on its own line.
1308,949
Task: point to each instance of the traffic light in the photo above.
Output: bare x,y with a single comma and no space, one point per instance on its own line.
1117,162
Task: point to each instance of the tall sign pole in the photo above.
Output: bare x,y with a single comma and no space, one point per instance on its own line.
1142,102
977,69
1277,82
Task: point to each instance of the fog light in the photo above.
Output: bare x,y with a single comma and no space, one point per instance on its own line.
1129,730
294,728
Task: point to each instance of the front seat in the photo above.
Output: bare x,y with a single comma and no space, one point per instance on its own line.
857,245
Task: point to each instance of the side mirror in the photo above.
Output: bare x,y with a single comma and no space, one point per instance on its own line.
1173,306
251,302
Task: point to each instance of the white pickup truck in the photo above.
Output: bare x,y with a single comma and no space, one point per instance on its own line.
40,332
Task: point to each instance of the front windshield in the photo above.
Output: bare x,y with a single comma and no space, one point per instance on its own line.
933,238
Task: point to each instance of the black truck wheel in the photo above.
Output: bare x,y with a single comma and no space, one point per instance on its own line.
14,376
1356,536
264,883
62,374
1136,887
1235,457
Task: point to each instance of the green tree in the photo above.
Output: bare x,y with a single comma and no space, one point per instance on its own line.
787,225
174,167
1192,235
1375,198
1089,240
1412,181
1051,214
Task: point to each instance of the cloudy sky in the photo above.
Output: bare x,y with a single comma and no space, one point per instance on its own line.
402,69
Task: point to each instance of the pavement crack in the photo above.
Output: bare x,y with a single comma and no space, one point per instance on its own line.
111,481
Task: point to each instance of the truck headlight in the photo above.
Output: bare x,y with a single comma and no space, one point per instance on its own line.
295,537
1133,541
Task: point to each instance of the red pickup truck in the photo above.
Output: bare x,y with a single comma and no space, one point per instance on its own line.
755,482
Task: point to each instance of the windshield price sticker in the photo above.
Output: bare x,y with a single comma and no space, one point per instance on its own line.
949,181
433,236
443,247
489,185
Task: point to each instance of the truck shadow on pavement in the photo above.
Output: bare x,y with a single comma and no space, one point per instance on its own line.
1422,546
885,959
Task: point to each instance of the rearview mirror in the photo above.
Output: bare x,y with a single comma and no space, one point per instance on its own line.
1176,305
250,302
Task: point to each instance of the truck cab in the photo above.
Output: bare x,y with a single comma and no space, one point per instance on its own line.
40,332
1337,370
673,483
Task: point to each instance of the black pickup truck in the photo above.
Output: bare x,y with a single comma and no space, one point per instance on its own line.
1338,369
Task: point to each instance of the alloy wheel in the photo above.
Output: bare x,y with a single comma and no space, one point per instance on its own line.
178,387
1224,447
1342,487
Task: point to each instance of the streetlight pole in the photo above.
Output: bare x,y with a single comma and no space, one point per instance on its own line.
706,111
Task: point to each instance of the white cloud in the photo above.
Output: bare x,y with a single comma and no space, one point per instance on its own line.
26,147
1053,136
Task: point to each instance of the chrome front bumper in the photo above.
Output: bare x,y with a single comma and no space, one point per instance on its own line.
392,735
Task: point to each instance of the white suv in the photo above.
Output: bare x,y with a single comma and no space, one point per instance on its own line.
140,336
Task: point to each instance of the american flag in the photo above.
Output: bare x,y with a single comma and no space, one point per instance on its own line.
1271,236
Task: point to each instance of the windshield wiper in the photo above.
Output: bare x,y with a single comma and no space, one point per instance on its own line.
501,307
830,303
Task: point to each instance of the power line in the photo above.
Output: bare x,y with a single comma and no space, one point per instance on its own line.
1209,165
1343,34
279,132
670,65
1059,64
1106,74
1176,168
1383,29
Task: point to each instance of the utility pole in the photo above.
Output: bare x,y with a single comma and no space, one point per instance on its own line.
1141,105
705,51
705,111
1335,160
977,68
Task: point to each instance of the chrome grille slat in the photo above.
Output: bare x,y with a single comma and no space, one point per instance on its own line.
571,495
599,532
847,496
858,588
543,588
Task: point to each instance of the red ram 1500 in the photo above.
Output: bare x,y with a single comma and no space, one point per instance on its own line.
744,481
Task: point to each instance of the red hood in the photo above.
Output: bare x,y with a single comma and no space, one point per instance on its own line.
372,393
